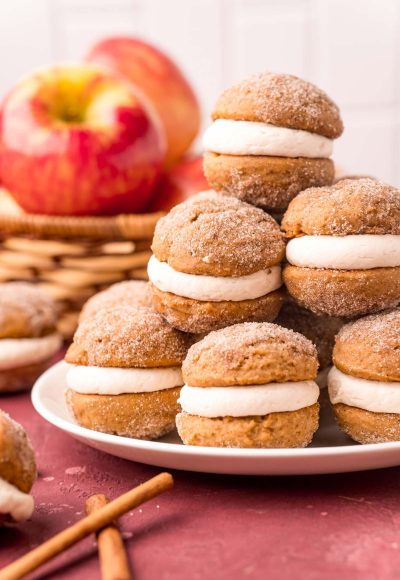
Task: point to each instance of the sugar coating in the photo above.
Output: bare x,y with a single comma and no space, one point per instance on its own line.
139,415
347,293
369,348
25,311
250,353
16,448
126,336
266,182
130,292
350,206
378,332
219,236
282,100
366,426
196,317
233,338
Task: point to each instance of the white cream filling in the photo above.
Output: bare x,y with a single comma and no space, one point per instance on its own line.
16,352
232,137
213,288
14,502
354,252
375,396
248,400
116,381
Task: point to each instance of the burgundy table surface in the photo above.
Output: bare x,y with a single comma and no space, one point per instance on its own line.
335,526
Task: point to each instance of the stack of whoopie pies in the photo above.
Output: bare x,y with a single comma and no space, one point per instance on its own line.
243,312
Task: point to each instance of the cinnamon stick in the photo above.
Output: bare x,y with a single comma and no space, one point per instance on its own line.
88,525
114,563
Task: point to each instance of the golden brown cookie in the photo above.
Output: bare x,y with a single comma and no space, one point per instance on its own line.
141,415
197,316
250,354
367,427
369,348
364,385
25,311
130,292
232,396
17,460
218,236
351,206
276,430
265,181
345,293
320,329
118,340
282,100
127,337
28,336
22,378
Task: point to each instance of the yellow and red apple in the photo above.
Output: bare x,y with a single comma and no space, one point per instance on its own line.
182,181
74,140
161,81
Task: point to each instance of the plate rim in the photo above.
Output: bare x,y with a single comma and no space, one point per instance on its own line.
144,445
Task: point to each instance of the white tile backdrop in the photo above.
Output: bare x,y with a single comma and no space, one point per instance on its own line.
351,48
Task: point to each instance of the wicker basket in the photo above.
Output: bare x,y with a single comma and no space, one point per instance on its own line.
72,258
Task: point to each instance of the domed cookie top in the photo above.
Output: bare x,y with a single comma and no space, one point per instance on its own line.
218,236
250,354
127,337
370,347
25,311
17,459
129,292
282,100
351,206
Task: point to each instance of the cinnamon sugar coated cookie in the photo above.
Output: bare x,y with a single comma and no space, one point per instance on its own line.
130,292
28,336
282,100
271,138
216,262
265,181
125,337
344,248
250,385
125,372
370,347
364,384
25,311
17,470
350,207
250,353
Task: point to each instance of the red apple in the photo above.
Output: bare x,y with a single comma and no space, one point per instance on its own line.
184,180
75,140
161,81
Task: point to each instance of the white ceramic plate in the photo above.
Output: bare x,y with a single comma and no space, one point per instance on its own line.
331,451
